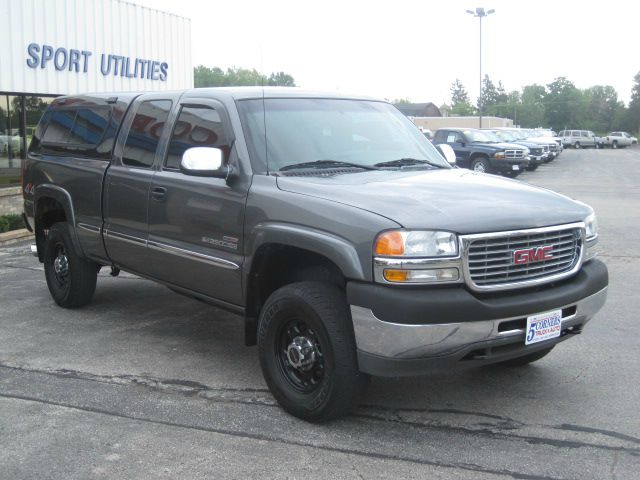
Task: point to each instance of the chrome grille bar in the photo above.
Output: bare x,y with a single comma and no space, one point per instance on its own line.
490,259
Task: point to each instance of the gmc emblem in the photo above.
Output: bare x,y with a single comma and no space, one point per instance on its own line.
531,255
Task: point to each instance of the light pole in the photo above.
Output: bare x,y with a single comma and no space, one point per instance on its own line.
479,13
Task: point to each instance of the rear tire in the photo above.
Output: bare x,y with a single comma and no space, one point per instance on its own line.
481,164
71,279
307,351
527,359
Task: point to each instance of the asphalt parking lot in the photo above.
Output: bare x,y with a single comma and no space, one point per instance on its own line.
144,383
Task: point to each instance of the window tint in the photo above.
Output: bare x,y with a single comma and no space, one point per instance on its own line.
575,133
196,127
76,127
60,124
145,132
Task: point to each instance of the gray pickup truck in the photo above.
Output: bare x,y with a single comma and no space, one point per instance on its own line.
328,223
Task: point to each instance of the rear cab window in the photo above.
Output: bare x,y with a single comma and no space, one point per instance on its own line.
145,132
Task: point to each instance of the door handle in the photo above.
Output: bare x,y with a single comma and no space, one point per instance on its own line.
158,193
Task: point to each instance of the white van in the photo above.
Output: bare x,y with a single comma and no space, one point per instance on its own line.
578,138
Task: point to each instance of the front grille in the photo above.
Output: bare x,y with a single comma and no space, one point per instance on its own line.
492,262
546,148
514,153
553,147
536,151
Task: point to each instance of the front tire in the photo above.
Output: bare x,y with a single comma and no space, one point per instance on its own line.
614,145
307,351
576,145
481,164
71,279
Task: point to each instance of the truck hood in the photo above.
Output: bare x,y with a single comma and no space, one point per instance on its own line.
456,200
498,145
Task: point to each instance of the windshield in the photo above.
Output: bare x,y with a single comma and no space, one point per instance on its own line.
326,131
506,136
492,136
477,136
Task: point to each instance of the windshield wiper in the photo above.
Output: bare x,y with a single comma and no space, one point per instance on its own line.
404,162
326,164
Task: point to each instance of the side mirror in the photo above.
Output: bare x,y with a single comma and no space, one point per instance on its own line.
203,162
447,152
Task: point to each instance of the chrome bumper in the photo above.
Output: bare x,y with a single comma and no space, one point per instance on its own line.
401,341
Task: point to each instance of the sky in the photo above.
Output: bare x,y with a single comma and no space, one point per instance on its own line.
416,49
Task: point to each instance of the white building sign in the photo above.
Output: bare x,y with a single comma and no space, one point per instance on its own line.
70,46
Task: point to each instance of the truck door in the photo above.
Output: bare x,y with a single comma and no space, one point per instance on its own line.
126,190
196,223
459,145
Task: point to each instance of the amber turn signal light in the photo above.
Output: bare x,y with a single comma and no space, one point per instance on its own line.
389,243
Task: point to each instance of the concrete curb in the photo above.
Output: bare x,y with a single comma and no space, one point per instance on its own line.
14,236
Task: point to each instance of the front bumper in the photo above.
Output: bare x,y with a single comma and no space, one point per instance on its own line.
507,165
415,331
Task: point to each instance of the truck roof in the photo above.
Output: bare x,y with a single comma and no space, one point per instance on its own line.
235,93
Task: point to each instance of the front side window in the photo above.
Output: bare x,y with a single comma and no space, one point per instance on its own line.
145,132
302,130
197,126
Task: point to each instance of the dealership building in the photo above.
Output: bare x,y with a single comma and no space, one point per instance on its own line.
51,48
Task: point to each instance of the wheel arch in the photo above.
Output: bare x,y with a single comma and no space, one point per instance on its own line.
284,254
53,204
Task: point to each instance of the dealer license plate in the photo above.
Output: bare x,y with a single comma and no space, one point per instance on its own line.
543,326
515,167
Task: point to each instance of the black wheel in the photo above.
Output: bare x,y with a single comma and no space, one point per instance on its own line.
481,164
527,359
614,144
70,278
307,351
576,145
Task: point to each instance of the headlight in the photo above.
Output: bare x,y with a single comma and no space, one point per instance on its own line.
407,243
498,155
591,226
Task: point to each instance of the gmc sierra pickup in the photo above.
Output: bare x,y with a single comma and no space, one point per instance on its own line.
344,240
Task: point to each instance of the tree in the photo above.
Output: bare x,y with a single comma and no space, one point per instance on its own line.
563,104
489,96
236,76
633,113
281,79
531,111
602,105
460,104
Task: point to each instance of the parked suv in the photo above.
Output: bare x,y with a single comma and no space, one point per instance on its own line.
477,151
343,240
537,153
578,138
